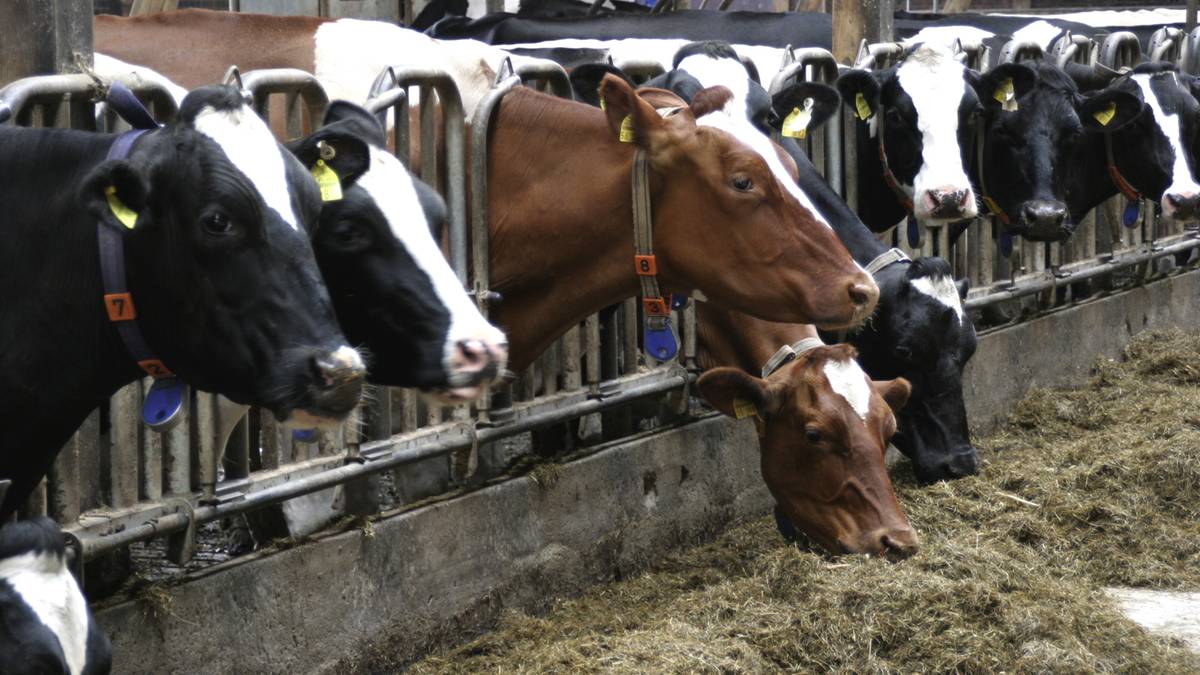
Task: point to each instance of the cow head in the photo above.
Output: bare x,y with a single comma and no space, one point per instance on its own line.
226,286
377,247
726,193
47,625
1153,150
824,429
1037,128
926,107
922,334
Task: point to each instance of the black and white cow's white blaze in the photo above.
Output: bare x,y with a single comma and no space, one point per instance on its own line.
919,331
394,293
926,107
222,278
45,623
1045,163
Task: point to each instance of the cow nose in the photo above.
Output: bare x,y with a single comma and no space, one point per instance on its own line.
947,202
898,543
1181,205
339,380
863,294
475,360
1044,218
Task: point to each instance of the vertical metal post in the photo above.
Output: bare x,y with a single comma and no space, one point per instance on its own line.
44,37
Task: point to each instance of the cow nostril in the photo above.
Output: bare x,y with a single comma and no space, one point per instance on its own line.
899,544
473,353
860,294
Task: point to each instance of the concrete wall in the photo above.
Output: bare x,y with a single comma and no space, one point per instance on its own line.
440,573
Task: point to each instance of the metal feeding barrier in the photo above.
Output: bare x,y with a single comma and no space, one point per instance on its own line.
218,463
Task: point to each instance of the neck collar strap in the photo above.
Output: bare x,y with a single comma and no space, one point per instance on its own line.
1131,193
789,353
658,335
892,255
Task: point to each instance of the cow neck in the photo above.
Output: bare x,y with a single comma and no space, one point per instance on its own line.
988,202
731,338
1089,188
888,177
557,264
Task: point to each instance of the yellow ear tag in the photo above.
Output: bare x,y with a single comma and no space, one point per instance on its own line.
126,215
795,125
1105,116
602,106
327,180
627,130
1006,96
860,105
743,408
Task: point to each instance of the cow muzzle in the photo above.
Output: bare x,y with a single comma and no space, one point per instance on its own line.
338,378
1181,205
471,365
946,203
1044,220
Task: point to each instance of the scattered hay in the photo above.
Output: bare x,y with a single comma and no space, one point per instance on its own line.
1085,488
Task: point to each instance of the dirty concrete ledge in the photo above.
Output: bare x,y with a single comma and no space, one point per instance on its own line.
438,574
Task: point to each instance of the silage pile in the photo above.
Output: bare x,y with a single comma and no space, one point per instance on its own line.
1083,489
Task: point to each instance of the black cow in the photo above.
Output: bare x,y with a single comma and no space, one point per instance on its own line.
222,280
920,331
46,625
809,29
926,107
377,247
1045,164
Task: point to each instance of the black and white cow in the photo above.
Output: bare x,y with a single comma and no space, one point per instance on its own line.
925,106
45,623
920,331
224,287
1045,164
394,293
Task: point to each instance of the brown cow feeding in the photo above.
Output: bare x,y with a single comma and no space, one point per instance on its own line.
824,427
561,218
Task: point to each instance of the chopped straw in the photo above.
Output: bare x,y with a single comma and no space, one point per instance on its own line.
1082,489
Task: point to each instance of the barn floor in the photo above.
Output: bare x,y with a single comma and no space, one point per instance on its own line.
1083,490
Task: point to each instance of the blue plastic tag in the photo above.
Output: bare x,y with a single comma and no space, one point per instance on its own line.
678,301
163,407
914,232
660,343
784,524
304,435
1130,216
1006,244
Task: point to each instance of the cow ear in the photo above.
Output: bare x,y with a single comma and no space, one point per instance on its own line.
365,125
630,117
585,81
802,107
860,92
739,394
1108,110
709,100
334,153
1003,86
964,286
116,193
680,82
894,392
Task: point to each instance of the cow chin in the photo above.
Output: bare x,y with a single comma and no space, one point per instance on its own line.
304,419
456,395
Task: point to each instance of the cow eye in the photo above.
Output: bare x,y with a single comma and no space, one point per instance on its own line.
743,184
218,223
812,435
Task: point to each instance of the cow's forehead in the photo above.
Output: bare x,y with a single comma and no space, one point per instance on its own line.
932,78
847,379
247,142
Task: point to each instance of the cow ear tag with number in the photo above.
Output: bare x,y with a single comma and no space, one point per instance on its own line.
1006,95
795,125
861,107
626,135
1105,116
327,178
164,404
125,215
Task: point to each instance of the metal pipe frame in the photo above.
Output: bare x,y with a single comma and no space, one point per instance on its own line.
18,98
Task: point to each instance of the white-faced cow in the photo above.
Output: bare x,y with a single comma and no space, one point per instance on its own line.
393,291
45,623
220,280
919,331
914,122
1045,163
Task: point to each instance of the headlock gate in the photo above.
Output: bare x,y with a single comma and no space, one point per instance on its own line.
118,483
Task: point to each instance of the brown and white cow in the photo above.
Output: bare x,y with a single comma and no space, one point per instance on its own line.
561,213
823,429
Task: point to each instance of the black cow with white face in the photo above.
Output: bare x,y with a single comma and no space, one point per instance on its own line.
377,247
920,331
212,214
45,623
925,107
1045,164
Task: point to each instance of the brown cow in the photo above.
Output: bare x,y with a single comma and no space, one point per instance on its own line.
561,218
824,427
